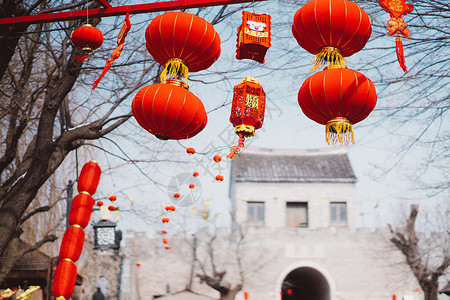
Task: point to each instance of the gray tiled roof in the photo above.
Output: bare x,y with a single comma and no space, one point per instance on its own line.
313,165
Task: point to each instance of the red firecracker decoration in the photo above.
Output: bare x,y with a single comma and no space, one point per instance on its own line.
64,280
169,111
219,178
253,37
170,208
190,150
165,220
396,25
247,110
87,38
72,243
337,98
195,174
331,30
217,158
89,178
81,210
182,43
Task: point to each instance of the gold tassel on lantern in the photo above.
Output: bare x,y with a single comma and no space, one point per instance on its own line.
329,56
339,131
175,69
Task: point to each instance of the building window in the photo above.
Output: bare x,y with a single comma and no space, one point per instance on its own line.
297,214
255,213
338,213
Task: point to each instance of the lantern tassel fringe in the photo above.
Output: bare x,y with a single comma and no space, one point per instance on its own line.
236,149
400,53
115,55
339,133
175,69
82,58
330,58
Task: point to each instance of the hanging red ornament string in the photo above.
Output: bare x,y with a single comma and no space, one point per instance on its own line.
116,53
253,37
396,25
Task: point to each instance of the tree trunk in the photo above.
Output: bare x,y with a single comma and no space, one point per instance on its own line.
430,289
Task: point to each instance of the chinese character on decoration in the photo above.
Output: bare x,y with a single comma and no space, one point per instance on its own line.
331,30
116,53
247,110
253,37
396,25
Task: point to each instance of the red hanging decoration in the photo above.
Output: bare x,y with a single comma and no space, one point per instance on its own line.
99,203
165,220
81,210
337,98
331,30
87,38
169,111
219,178
217,158
396,25
176,195
195,174
64,280
182,42
253,37
190,151
167,247
247,110
116,53
165,241
112,198
89,178
164,232
72,243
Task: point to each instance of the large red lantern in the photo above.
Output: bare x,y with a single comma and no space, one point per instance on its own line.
72,243
81,210
169,111
89,178
182,42
337,98
253,37
331,30
64,280
247,110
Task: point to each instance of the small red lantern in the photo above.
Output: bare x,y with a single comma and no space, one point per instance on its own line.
112,208
87,37
138,264
219,178
176,195
165,220
217,158
81,210
72,244
253,37
337,98
289,292
167,247
99,203
195,174
191,186
190,150
112,198
89,178
164,232
170,208
182,42
247,110
165,241
169,111
331,30
64,280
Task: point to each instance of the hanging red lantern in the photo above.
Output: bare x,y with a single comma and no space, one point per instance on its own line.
219,178
247,110
331,30
165,241
182,42
112,198
191,186
176,195
195,174
112,208
64,280
87,38
165,220
81,210
190,150
337,98
89,178
138,264
217,158
72,244
164,232
396,25
170,208
169,111
167,247
253,37
99,203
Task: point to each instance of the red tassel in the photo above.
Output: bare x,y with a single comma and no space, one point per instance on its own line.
400,53
235,149
82,58
109,62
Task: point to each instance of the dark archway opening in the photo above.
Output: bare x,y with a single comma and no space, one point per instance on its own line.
305,284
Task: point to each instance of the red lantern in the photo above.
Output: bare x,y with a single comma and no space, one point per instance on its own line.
138,264
247,110
253,37
165,220
170,208
89,178
81,210
182,42
112,208
72,244
64,280
217,158
99,203
219,178
87,37
337,98
169,111
195,174
289,292
167,247
112,198
164,232
331,30
191,186
176,195
165,241
190,150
